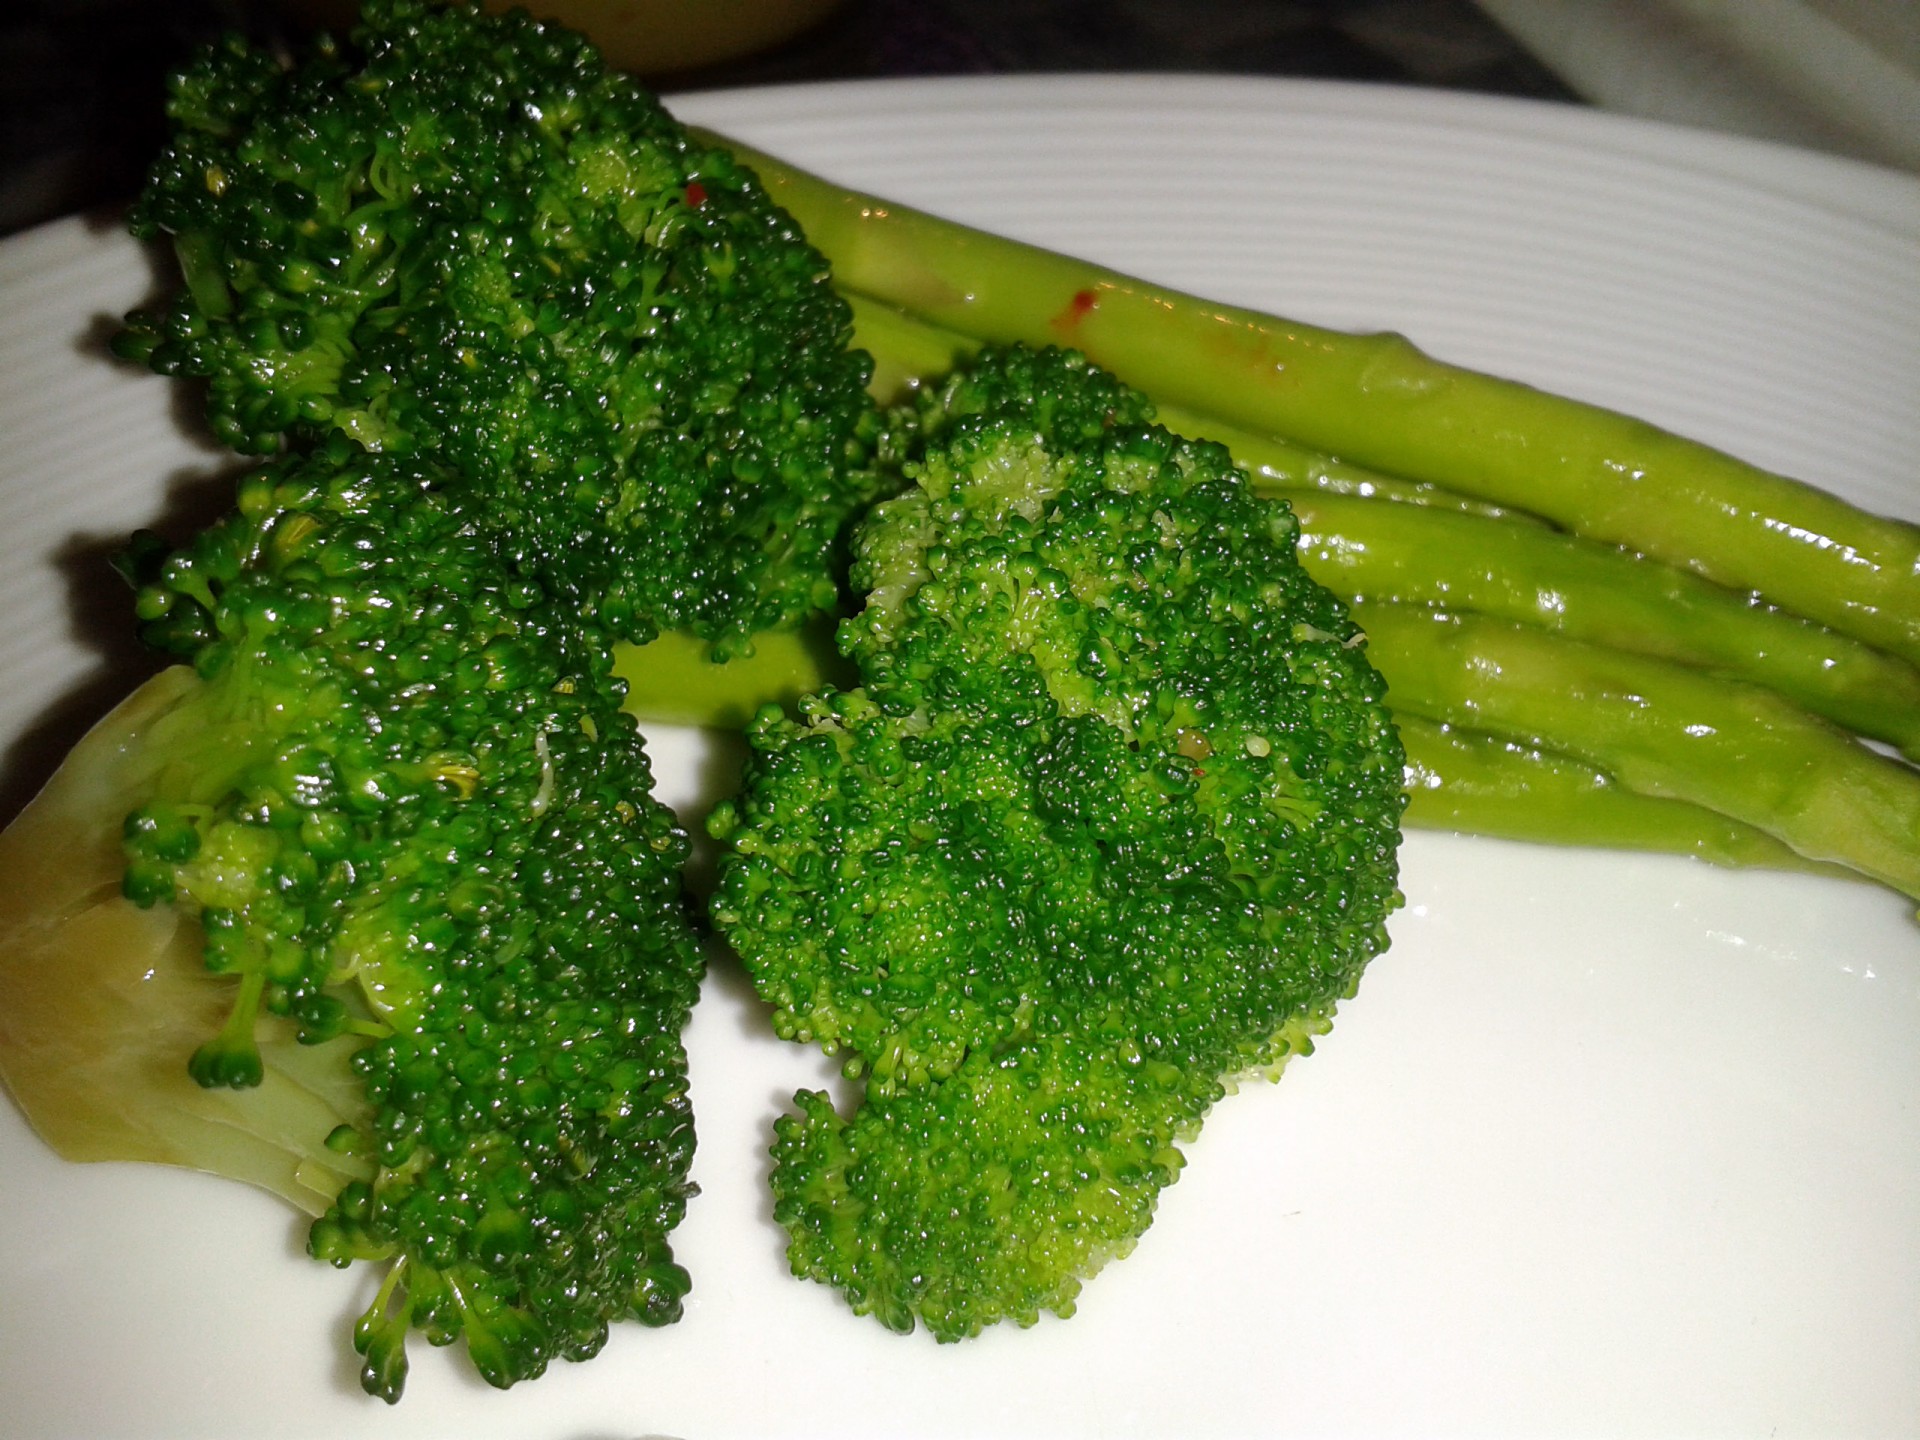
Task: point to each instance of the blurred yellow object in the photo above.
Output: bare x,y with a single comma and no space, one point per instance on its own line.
649,37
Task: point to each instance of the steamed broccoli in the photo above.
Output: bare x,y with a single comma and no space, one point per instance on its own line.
463,235
541,376
1111,821
404,806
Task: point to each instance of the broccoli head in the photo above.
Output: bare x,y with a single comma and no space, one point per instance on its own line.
404,807
1111,820
464,235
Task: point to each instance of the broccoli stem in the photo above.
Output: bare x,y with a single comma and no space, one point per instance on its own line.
1661,729
100,999
1379,401
1370,550
677,680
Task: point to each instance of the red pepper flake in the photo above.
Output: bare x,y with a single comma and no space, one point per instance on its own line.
695,194
1082,305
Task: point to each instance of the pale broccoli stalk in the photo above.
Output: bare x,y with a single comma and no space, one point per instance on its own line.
101,1000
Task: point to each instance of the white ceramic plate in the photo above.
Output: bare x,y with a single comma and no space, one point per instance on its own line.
1606,1145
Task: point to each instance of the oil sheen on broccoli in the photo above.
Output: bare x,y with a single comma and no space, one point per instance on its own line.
540,375
463,235
405,808
1111,820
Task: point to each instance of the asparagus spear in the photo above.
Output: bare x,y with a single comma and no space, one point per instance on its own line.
1378,401
1372,550
1470,781
1439,548
1458,778
1661,729
908,350
1282,467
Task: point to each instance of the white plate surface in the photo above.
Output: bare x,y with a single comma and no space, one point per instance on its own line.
1607,1144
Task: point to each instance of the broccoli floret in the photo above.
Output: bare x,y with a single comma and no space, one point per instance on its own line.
405,808
464,235
544,376
966,1202
1110,821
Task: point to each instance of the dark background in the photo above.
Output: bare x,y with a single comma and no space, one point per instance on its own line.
82,82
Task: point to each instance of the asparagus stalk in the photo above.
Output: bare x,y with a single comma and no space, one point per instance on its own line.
1661,729
1468,780
1370,550
1282,467
907,351
1435,547
1378,401
1457,779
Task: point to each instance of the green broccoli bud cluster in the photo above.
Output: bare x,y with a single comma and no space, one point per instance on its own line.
405,805
988,1196
541,374
1110,821
466,236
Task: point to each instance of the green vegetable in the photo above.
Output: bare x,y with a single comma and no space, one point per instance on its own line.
541,374
465,236
1364,549
1457,778
1387,537
396,807
1663,730
1463,779
1103,819
1377,401
1110,820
